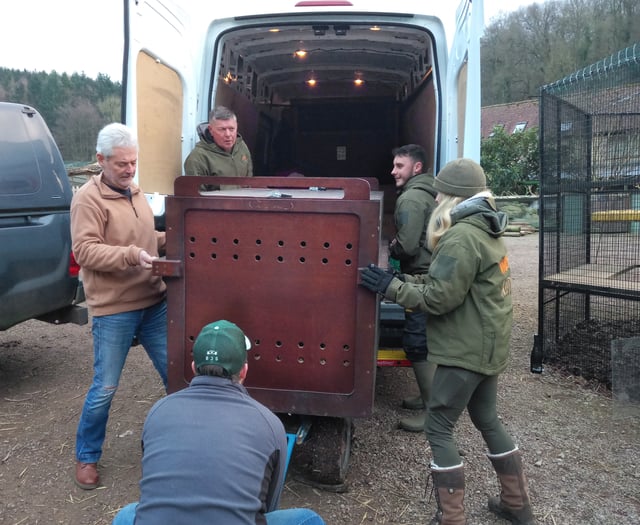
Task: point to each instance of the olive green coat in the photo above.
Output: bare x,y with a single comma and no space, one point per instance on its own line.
467,291
413,208
208,159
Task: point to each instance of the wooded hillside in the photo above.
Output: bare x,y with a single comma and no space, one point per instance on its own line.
74,106
545,42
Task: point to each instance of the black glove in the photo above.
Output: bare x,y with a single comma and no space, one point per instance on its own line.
375,279
396,274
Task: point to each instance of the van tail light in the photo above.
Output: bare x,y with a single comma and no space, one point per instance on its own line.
74,267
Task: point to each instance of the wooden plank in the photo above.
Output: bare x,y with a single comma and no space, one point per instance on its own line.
600,275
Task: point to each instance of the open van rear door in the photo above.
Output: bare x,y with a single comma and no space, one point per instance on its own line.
159,87
463,90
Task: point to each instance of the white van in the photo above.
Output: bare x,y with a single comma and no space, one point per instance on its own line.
324,88
321,87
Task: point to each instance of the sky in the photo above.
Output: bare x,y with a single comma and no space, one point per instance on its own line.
86,36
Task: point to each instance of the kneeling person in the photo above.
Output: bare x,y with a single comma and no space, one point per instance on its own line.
211,453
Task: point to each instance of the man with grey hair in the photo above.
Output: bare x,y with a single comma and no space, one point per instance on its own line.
115,241
221,151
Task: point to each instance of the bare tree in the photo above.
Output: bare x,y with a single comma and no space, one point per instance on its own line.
76,130
541,43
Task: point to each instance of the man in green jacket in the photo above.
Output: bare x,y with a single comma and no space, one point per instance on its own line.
415,202
221,151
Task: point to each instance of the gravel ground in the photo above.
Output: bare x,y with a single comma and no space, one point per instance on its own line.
581,449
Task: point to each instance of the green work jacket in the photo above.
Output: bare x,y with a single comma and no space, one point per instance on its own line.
208,159
413,208
467,291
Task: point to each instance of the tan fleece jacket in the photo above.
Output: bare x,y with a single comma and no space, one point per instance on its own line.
108,233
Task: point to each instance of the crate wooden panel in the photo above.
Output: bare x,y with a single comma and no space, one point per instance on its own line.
281,262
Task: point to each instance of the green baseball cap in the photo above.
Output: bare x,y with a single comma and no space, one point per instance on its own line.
221,343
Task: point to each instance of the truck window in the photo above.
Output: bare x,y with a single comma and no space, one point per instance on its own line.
19,171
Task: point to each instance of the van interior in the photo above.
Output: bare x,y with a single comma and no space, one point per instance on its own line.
329,99
314,98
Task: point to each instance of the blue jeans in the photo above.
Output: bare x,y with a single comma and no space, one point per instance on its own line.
112,338
127,515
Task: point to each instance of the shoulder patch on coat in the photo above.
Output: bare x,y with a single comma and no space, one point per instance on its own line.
442,267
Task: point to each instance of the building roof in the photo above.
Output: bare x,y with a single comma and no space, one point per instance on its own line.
516,116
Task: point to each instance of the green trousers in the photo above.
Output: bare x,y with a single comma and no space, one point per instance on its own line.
453,390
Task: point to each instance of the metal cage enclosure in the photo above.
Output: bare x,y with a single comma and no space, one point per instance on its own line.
589,271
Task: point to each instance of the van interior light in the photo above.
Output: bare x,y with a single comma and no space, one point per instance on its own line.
274,30
374,28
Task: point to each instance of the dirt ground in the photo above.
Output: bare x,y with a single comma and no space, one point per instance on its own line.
581,448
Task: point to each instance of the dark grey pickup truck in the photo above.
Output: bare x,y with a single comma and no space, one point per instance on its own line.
38,274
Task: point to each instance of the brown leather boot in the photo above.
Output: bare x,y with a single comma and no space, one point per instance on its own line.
448,487
87,477
513,504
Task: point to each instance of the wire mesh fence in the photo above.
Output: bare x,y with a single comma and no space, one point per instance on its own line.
589,278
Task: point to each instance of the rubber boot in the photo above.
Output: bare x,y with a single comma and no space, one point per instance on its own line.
513,504
415,402
424,376
448,487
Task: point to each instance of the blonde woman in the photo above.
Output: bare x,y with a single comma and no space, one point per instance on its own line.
467,294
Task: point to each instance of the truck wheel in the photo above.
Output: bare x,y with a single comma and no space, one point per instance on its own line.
323,458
